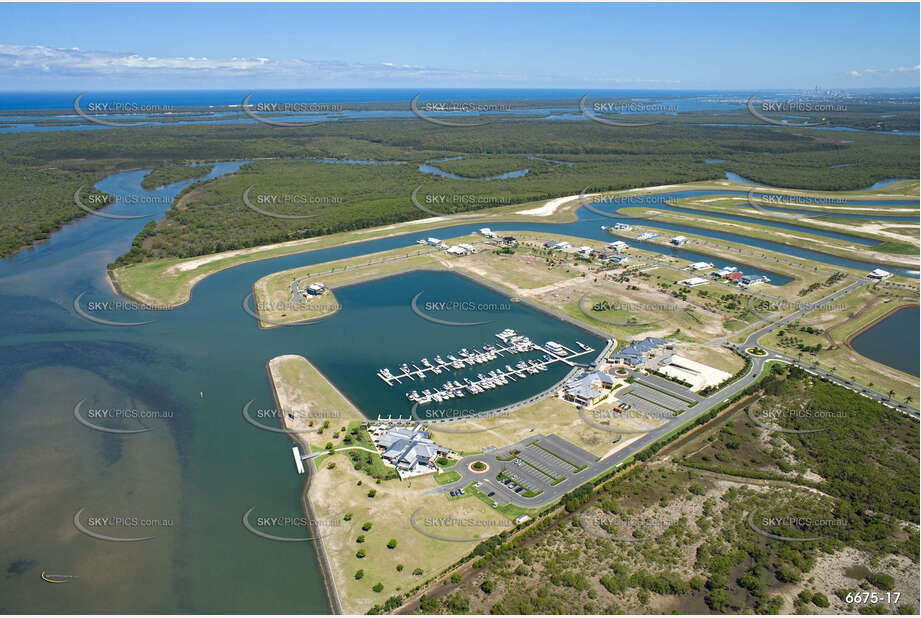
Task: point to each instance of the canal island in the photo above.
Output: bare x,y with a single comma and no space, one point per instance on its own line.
509,374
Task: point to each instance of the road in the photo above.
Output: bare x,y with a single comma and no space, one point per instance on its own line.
504,495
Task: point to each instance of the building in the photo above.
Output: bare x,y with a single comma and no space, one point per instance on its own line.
467,247
748,280
488,233
696,374
679,241
585,251
646,236
635,354
456,250
622,227
721,273
619,246
734,277
589,389
694,281
316,289
700,266
878,274
619,259
557,245
433,242
509,240
411,451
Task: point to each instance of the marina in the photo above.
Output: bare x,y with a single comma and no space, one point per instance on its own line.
511,343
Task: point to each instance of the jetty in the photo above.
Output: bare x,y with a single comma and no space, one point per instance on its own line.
510,343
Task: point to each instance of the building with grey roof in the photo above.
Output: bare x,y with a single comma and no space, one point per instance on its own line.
411,451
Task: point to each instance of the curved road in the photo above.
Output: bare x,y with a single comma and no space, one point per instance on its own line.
504,495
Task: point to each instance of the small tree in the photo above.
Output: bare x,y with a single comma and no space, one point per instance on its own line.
366,526
360,554
378,587
392,543
399,568
359,573
348,517
360,539
372,493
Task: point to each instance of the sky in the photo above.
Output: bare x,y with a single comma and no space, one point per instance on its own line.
631,46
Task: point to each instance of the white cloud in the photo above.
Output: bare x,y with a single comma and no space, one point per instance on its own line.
873,72
29,64
24,61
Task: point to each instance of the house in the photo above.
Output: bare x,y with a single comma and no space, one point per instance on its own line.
734,277
509,240
878,274
749,280
635,354
623,227
316,289
619,246
700,266
679,241
585,252
411,451
456,250
619,259
434,242
721,273
488,233
467,247
589,388
646,236
557,245
694,281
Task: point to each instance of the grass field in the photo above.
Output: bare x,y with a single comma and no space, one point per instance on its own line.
336,492
833,326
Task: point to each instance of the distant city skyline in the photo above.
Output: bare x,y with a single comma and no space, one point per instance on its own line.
607,46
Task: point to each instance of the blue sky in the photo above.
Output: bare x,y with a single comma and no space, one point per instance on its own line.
638,46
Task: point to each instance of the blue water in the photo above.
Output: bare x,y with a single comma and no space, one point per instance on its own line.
892,341
203,98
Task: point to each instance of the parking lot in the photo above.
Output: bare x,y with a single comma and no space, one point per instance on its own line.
544,462
652,402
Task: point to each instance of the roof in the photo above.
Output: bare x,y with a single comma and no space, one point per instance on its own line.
734,276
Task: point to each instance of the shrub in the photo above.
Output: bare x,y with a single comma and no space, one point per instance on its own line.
391,543
359,573
487,586
360,554
881,581
378,587
348,517
366,526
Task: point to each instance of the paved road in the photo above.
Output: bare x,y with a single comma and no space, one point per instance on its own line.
504,495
